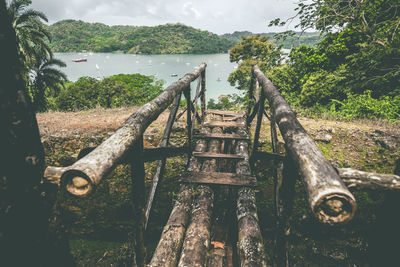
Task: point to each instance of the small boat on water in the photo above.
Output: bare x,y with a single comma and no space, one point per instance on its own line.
80,60
174,75
219,79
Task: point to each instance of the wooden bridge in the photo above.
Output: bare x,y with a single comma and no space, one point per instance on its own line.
214,220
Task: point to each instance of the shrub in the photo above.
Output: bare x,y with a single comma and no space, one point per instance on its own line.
114,91
364,106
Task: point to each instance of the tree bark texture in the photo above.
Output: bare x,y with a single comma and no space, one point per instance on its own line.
83,175
251,247
330,200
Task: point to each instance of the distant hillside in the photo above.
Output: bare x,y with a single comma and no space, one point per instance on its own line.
305,38
72,35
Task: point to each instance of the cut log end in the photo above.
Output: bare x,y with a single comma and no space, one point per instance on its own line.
77,183
335,208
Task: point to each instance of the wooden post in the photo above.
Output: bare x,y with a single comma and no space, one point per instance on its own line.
260,114
251,117
251,248
203,95
285,199
329,199
250,94
188,121
195,105
161,163
138,197
83,175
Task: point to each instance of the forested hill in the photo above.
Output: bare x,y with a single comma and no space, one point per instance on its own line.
306,38
72,35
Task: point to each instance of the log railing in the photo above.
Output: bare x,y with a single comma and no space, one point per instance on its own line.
329,198
125,146
80,178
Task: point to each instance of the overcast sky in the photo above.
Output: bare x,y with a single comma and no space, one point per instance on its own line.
218,16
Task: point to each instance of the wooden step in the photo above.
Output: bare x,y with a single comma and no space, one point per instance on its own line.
223,112
230,118
216,155
225,178
221,136
223,124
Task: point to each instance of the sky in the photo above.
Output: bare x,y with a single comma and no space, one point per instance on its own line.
217,16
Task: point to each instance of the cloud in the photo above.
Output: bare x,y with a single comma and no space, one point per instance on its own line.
219,16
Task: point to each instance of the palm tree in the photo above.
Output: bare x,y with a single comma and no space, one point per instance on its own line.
46,80
32,36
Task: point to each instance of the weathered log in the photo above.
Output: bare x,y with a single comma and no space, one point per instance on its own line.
251,249
371,180
330,200
101,161
169,246
161,164
197,239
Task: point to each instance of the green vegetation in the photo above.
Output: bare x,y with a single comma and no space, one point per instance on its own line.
353,72
35,56
295,40
114,91
71,35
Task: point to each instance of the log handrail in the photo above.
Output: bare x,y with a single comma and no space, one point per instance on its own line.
80,178
329,198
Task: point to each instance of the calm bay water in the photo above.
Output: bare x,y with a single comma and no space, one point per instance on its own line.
161,66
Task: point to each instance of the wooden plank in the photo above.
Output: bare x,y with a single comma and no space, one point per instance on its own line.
217,155
221,136
230,118
222,112
225,178
223,124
